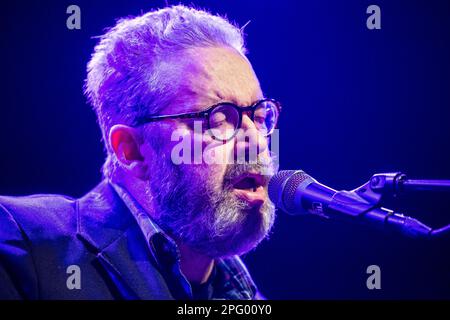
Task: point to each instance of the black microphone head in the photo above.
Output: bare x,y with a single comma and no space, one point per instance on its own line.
283,186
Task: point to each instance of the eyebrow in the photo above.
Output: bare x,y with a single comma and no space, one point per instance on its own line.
213,98
236,102
232,99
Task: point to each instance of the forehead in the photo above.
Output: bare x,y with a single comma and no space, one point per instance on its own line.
211,75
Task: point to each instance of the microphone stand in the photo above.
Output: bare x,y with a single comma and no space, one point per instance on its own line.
397,183
365,203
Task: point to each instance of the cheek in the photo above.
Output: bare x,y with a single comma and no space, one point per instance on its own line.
205,158
214,164
213,174
217,152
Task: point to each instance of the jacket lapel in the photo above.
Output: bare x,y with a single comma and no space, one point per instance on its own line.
123,258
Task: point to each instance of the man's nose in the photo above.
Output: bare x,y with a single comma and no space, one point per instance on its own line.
249,142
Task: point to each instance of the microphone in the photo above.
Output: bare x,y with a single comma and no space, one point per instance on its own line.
297,193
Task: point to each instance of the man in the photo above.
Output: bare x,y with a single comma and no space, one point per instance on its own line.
166,222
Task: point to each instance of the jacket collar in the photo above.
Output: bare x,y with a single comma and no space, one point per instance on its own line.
108,229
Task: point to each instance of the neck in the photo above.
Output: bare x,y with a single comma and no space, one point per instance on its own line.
196,267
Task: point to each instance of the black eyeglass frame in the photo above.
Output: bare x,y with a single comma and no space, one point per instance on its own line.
206,113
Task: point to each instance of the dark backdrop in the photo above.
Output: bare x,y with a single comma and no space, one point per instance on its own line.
356,102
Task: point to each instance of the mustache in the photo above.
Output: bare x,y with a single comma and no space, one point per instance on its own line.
233,171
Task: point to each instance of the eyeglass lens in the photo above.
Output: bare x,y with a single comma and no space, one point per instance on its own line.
224,119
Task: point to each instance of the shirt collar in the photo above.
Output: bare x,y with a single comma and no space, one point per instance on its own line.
149,227
162,247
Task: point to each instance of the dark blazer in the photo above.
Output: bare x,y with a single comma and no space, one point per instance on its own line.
41,236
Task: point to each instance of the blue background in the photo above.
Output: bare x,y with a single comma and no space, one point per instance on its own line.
356,102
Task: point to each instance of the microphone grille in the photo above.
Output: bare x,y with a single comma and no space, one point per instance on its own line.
282,187
291,187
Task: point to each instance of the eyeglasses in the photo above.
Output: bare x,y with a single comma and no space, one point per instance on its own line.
225,118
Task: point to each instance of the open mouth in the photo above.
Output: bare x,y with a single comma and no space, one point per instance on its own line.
249,182
249,187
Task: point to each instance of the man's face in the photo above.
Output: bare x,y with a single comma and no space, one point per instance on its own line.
218,208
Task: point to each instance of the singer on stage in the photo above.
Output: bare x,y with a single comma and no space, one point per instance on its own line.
186,129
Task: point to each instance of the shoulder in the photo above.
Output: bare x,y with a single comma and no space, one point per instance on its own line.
41,235
28,227
41,214
53,217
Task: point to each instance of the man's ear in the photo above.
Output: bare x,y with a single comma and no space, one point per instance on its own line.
126,144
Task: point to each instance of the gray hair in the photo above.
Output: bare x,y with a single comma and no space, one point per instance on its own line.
124,81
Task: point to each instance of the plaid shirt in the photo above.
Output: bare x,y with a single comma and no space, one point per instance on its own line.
230,279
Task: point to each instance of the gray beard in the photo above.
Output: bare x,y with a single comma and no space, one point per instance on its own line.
208,218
